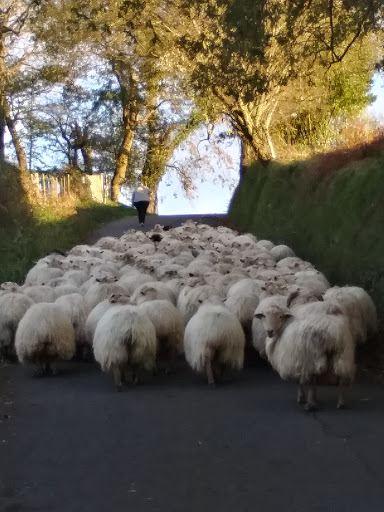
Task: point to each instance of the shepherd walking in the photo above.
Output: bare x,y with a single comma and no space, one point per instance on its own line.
140,200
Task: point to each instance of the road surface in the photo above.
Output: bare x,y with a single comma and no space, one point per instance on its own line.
71,443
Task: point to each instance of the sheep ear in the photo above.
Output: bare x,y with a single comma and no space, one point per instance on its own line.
286,316
320,297
260,316
292,296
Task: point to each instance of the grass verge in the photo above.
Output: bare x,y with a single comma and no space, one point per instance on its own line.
332,219
28,233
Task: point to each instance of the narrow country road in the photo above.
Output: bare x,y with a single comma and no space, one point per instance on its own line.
118,227
70,443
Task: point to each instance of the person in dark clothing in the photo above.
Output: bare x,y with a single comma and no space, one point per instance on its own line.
140,200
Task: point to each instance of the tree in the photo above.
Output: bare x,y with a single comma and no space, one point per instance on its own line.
16,48
246,52
309,106
123,34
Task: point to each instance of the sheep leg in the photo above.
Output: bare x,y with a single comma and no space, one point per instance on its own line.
135,375
340,401
40,370
117,377
311,398
47,370
53,368
209,372
300,394
171,364
218,371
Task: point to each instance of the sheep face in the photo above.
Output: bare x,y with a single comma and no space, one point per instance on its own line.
273,320
117,298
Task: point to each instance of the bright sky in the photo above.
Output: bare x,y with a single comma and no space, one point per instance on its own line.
214,186
377,108
211,197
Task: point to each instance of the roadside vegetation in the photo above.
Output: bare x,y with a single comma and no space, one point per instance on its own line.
30,231
328,208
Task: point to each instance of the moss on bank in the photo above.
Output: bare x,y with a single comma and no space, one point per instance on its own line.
334,219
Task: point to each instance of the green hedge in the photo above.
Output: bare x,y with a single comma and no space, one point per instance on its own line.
27,234
335,221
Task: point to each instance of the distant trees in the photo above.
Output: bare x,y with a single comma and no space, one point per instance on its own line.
249,54
120,85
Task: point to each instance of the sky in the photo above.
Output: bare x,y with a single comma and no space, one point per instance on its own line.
376,110
211,197
215,186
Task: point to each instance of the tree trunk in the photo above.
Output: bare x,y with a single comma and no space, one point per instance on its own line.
252,151
122,163
129,100
153,202
2,130
86,153
20,153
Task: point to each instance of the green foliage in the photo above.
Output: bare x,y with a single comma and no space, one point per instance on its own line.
332,220
312,106
28,234
248,54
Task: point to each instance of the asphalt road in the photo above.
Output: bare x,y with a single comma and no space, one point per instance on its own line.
118,227
71,443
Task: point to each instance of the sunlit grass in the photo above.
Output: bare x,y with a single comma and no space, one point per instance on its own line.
49,229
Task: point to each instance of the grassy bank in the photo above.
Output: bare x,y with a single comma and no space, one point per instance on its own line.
27,233
330,210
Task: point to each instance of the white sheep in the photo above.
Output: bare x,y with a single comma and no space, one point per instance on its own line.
45,334
169,271
66,289
100,291
169,327
264,245
245,286
213,340
111,243
259,335
243,242
40,293
152,291
243,307
13,307
125,338
77,309
9,286
316,349
94,318
76,277
312,280
281,251
41,274
190,299
360,308
130,282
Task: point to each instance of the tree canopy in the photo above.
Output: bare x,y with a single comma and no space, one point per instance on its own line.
120,85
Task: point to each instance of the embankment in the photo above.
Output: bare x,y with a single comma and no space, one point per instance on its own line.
329,210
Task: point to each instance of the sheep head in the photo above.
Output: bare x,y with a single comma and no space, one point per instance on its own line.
273,318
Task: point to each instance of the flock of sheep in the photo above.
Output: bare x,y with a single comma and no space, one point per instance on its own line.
141,300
